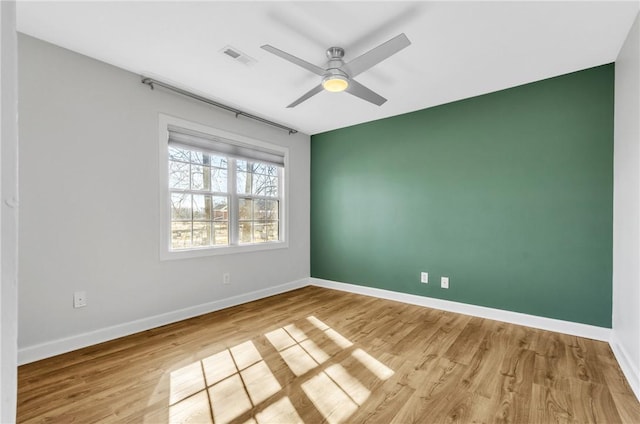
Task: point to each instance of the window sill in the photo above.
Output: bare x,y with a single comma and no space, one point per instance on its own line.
222,250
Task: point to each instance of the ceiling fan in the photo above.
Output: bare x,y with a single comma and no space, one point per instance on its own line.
338,76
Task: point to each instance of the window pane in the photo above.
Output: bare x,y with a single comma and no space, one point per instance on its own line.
272,231
202,207
201,234
260,168
259,232
220,208
219,180
179,175
241,165
271,209
244,233
180,206
272,170
259,182
197,177
245,210
271,188
180,235
264,185
243,183
259,207
176,153
221,234
219,161
200,158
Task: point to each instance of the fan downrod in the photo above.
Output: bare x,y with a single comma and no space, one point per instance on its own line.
335,53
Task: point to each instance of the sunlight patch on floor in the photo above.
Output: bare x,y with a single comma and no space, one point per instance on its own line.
280,339
332,402
298,360
317,323
218,367
314,351
245,354
194,409
184,382
229,384
348,383
229,400
338,338
297,334
281,411
260,382
376,367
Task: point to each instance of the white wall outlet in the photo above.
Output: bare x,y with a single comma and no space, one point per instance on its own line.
79,299
424,277
444,282
226,278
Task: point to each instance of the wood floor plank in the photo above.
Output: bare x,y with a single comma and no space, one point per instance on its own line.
315,355
551,364
513,405
593,403
550,406
466,344
483,373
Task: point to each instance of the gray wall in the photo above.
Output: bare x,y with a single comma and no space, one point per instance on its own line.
8,211
626,210
89,216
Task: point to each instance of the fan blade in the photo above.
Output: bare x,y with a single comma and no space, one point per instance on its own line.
303,63
376,55
364,93
315,90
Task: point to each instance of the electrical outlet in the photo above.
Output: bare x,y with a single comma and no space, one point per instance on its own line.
79,299
226,278
444,282
424,277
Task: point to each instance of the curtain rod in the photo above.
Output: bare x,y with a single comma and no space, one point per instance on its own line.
151,82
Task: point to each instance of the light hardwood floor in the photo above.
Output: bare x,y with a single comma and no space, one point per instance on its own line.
315,355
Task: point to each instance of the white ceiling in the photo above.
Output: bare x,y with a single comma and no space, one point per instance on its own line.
459,49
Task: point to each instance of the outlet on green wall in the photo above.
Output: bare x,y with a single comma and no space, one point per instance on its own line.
509,194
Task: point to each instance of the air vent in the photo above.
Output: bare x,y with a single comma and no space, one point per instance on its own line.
237,56
234,54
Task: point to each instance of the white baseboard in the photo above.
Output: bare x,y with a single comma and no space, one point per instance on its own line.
560,326
626,364
67,344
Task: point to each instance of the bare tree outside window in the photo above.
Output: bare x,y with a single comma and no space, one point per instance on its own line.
259,205
201,199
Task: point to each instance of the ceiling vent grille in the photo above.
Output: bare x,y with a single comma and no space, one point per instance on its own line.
237,56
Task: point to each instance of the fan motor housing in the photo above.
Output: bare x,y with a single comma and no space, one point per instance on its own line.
335,55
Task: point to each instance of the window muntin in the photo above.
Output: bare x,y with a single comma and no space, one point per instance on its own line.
218,200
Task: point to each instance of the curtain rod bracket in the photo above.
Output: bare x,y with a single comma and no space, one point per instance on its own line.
152,82
148,81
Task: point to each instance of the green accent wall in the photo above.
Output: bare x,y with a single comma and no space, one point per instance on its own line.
509,194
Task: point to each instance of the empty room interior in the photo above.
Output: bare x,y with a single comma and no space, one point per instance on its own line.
308,212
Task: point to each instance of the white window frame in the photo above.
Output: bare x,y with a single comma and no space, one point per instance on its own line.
166,253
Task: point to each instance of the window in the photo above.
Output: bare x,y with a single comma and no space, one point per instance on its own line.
222,193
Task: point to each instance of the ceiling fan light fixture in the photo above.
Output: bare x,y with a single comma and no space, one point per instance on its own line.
335,83
339,76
